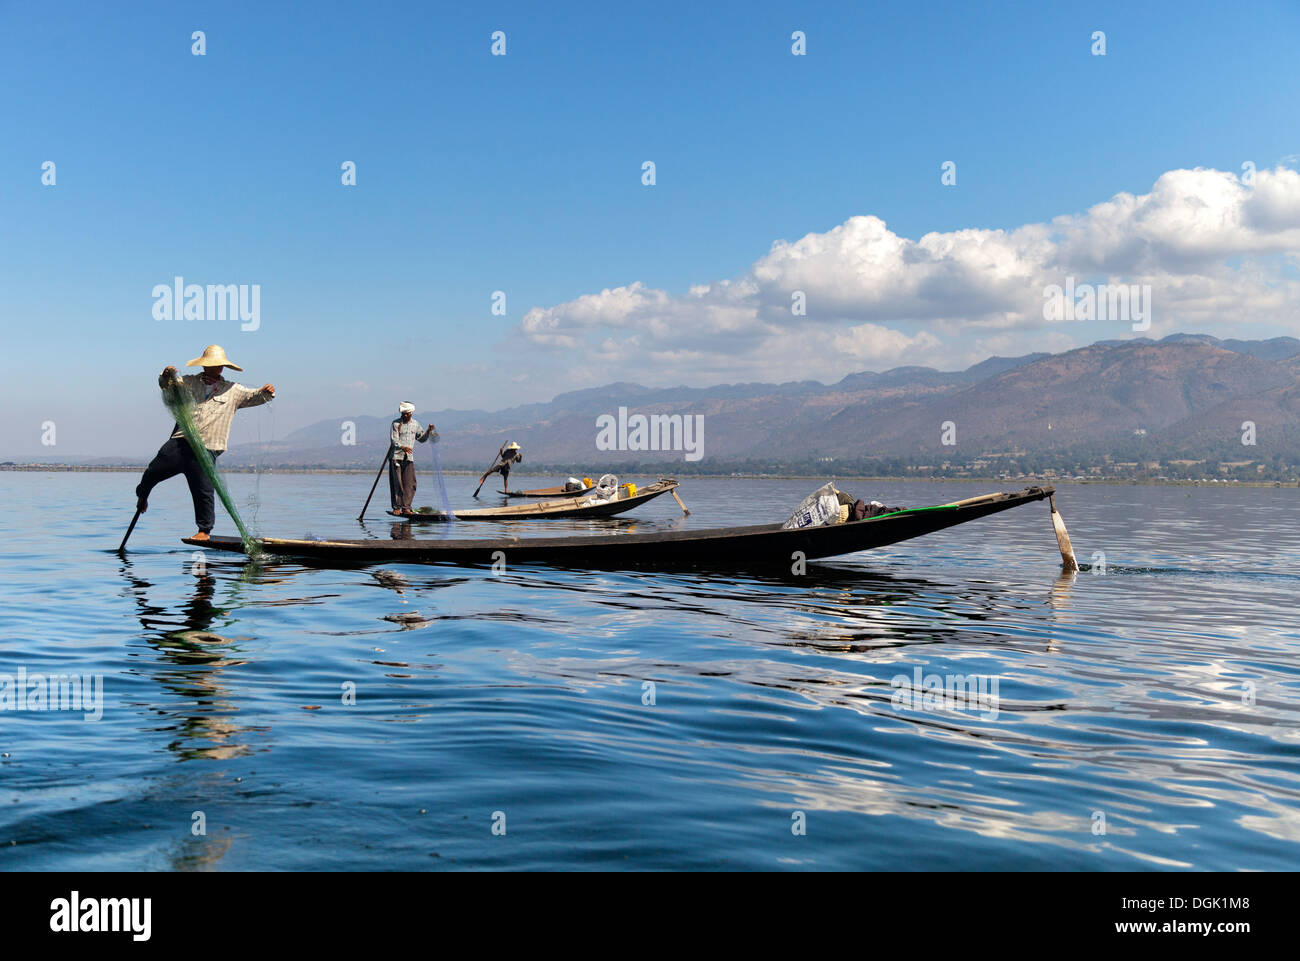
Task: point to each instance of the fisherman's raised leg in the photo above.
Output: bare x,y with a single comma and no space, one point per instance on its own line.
167,463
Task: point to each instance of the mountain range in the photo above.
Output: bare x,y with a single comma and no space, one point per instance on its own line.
1187,395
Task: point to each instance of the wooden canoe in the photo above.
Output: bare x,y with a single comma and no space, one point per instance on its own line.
546,492
572,506
763,545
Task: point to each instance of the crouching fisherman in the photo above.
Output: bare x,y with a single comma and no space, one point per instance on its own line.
401,467
215,401
509,455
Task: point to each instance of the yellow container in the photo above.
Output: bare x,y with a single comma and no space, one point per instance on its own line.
631,490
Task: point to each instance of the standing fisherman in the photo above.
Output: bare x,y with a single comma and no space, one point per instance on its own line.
401,473
507,457
215,402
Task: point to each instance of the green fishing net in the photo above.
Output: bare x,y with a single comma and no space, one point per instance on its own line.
181,405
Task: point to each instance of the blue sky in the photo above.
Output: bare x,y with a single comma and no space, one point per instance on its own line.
522,173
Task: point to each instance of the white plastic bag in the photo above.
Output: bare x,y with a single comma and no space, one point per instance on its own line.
605,490
820,507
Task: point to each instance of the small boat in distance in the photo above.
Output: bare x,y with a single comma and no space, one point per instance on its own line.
574,505
758,546
549,492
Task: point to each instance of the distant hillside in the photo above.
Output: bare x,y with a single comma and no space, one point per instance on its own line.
1184,396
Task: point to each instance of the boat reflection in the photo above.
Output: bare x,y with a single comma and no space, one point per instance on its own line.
193,660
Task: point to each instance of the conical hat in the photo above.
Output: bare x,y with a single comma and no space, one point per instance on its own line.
213,356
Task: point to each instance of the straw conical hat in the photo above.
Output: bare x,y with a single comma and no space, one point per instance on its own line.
213,356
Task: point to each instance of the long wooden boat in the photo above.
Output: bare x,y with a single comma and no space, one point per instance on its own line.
762,545
573,506
547,492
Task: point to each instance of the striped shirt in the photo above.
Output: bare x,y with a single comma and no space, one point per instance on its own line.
215,405
405,434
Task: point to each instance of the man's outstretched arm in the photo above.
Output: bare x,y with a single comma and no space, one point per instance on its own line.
252,398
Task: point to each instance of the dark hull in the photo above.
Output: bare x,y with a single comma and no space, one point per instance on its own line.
744,547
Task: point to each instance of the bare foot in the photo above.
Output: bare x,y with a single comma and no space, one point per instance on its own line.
200,536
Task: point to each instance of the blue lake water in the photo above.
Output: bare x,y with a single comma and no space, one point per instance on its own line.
1147,717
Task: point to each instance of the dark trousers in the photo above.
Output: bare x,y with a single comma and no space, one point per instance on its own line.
177,457
402,477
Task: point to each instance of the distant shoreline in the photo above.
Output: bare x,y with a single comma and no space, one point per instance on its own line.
1025,479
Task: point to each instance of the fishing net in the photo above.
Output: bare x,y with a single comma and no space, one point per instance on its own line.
181,406
442,487
253,503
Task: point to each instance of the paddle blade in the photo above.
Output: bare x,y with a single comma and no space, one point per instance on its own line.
1068,563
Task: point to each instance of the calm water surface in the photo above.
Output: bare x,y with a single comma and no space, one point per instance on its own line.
1159,700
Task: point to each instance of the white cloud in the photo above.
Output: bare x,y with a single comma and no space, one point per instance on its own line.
1191,219
1214,250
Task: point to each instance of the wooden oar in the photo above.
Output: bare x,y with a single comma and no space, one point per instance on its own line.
122,546
488,473
1068,563
974,500
387,454
679,503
